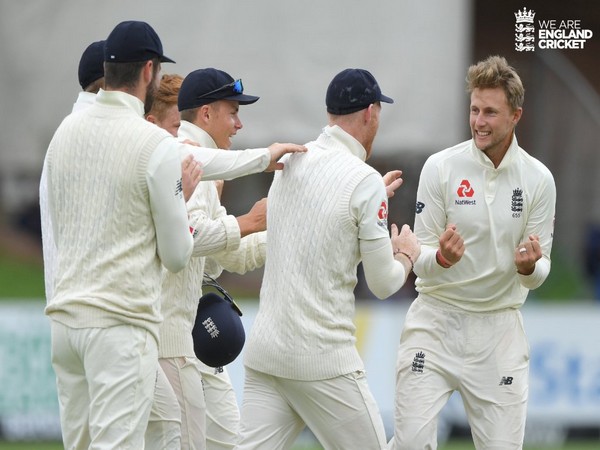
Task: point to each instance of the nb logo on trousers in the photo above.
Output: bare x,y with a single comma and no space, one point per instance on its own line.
506,381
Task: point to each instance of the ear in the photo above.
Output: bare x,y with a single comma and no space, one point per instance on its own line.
204,113
368,113
147,71
151,118
517,115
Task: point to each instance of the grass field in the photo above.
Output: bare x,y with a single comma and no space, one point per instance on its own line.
20,280
453,445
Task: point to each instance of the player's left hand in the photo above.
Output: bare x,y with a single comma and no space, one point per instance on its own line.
526,255
392,182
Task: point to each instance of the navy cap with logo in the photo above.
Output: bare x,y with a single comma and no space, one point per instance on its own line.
218,332
91,64
352,90
204,86
133,41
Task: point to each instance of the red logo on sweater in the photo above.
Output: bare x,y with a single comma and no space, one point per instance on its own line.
465,189
383,211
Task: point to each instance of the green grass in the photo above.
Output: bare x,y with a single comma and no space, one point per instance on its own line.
20,280
468,445
31,446
26,280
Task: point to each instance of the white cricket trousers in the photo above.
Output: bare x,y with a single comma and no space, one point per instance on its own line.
164,425
185,379
105,380
341,412
484,356
222,411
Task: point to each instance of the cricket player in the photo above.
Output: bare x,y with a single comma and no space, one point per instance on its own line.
118,214
484,217
327,212
209,101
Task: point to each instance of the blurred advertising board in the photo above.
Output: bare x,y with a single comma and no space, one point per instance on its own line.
564,373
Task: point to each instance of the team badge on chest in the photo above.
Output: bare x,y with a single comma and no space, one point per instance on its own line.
516,204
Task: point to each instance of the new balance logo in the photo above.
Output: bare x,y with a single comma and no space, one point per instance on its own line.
506,381
419,207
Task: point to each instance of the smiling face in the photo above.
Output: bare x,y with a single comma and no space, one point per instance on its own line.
222,122
492,122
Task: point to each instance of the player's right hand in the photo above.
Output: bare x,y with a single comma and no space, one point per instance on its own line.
254,220
277,150
452,245
392,180
405,241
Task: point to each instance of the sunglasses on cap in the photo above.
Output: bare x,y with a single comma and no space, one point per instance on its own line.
236,86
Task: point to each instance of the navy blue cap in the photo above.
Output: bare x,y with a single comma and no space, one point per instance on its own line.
204,86
133,41
91,64
218,332
352,90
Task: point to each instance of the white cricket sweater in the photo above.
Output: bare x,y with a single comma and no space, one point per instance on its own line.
494,210
100,169
216,234
304,328
84,100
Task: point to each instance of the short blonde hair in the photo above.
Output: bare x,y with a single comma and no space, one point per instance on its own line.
166,95
495,72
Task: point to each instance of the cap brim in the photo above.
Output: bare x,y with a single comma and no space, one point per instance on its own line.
163,58
386,99
243,99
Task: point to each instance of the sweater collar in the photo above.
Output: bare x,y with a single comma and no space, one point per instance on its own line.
120,98
506,161
338,134
84,100
187,130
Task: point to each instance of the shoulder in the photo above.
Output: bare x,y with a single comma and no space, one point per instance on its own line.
449,154
532,165
444,162
151,133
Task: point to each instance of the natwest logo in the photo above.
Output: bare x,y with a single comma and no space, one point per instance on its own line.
382,215
465,189
383,211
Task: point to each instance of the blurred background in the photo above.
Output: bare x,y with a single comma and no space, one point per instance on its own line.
287,52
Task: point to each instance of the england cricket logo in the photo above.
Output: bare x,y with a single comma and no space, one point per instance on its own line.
524,31
211,328
516,204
